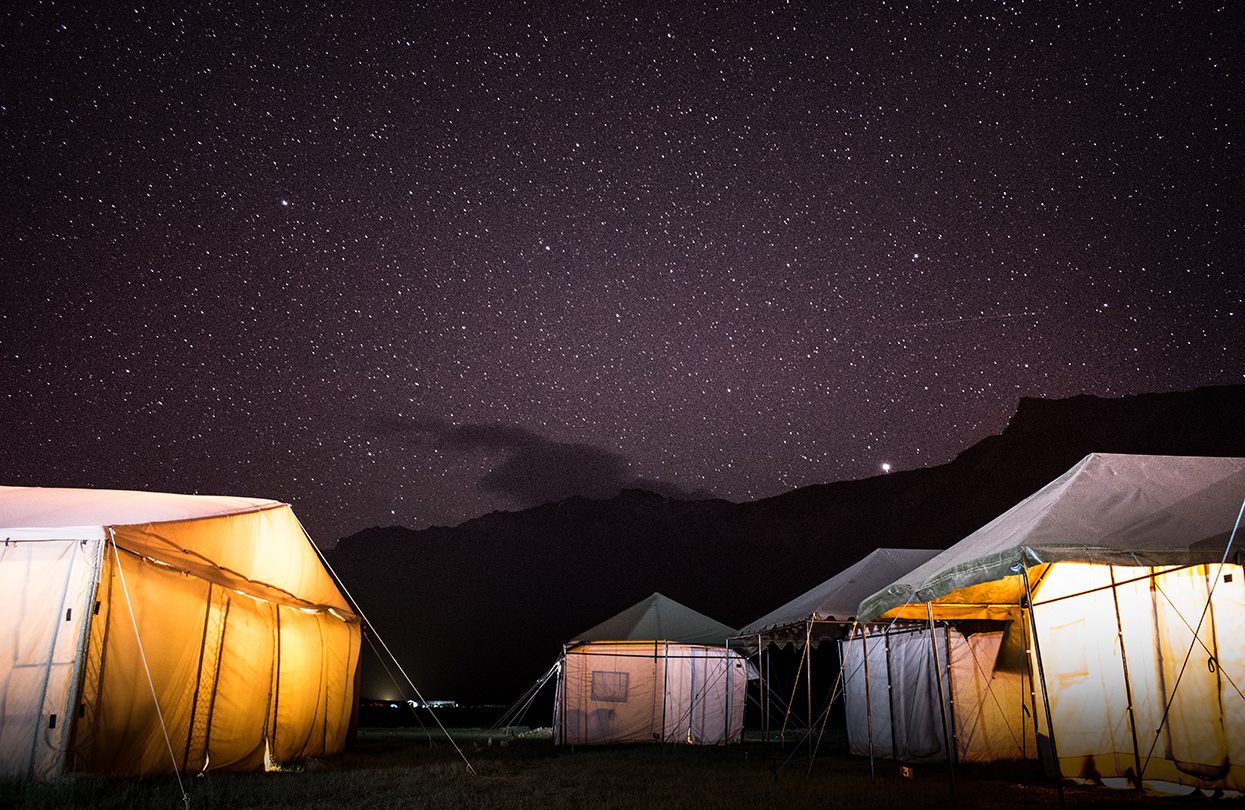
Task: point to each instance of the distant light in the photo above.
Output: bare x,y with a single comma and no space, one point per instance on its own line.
886,466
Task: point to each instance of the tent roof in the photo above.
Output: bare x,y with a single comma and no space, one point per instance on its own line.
87,510
250,545
1112,509
837,598
658,618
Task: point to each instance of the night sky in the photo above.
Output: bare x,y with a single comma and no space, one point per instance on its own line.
408,263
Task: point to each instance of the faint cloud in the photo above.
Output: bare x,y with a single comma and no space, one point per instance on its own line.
539,470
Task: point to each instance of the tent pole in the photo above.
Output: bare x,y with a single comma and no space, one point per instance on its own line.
1037,651
942,703
767,673
1028,644
726,735
808,681
761,689
665,687
955,743
559,699
1128,687
84,642
890,691
864,641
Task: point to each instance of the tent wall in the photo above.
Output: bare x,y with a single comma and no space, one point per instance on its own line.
250,647
264,553
903,693
705,692
651,691
985,709
234,676
991,721
1202,742
48,586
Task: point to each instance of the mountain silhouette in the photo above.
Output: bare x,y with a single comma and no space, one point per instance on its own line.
478,611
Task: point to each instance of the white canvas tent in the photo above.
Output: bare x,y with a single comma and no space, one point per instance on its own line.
1137,599
650,674
896,703
129,616
825,611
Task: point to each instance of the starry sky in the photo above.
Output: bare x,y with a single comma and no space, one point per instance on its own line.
407,263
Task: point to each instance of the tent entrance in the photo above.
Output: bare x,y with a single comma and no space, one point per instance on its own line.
49,586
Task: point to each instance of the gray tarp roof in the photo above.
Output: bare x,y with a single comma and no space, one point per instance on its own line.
837,599
659,618
1114,509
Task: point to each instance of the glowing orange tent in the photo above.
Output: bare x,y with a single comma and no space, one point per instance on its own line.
1123,579
148,632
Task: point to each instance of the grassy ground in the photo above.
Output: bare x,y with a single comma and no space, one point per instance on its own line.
402,768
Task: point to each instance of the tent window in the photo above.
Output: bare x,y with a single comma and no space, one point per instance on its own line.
609,686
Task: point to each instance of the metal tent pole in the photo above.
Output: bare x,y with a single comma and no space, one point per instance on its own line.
765,691
955,741
1037,651
864,642
765,704
808,681
665,685
559,698
890,693
942,705
1128,687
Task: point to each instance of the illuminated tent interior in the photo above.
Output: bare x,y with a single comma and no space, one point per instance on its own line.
1137,601
656,672
149,633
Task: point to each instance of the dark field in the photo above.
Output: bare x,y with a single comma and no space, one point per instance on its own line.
403,768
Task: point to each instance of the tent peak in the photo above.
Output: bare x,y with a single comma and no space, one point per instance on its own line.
658,617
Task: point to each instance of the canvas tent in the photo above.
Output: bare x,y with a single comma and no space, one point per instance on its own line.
651,674
1137,599
825,611
916,676
128,615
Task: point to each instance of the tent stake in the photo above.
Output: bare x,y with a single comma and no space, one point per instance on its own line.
1037,651
864,641
942,703
1128,687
